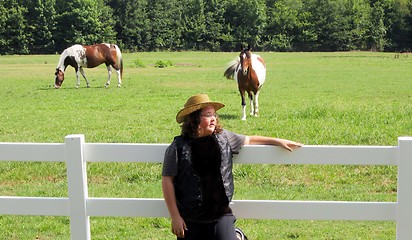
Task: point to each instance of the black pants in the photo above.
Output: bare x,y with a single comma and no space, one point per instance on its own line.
223,229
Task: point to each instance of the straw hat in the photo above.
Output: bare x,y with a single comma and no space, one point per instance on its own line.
195,103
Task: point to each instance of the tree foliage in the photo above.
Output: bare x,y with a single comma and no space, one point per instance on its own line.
13,31
48,26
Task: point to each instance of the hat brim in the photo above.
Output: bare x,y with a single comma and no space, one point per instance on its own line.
182,114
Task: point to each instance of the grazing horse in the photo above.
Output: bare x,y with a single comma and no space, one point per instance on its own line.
249,70
79,56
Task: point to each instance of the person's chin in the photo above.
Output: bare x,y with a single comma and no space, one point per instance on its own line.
211,130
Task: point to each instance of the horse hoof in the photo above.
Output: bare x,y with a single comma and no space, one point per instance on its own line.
119,86
77,87
243,119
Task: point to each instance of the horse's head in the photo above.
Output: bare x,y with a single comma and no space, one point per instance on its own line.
59,78
245,59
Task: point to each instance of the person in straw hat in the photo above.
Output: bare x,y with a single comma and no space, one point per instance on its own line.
197,180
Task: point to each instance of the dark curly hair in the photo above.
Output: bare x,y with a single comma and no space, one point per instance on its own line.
191,122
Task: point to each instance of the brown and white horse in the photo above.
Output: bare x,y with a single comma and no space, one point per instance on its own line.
249,70
79,56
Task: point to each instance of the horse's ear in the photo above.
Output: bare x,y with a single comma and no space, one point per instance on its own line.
248,47
241,47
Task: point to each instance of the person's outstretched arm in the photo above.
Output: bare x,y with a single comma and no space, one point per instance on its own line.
262,140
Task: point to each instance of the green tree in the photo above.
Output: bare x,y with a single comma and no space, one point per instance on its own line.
377,29
400,28
41,25
203,24
216,30
105,24
288,26
132,23
13,37
165,20
83,22
407,45
246,19
46,26
339,25
194,24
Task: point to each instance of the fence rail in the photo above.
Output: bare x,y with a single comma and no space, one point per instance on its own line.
76,153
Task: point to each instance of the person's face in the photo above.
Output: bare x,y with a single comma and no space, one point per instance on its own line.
207,122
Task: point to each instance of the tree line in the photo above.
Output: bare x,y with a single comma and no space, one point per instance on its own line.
49,26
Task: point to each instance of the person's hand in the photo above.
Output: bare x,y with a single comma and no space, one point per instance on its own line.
178,227
288,144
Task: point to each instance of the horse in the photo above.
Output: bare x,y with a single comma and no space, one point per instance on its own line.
249,70
79,56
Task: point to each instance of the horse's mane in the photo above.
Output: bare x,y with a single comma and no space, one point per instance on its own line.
60,65
67,53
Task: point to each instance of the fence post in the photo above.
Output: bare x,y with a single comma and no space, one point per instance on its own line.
77,185
404,214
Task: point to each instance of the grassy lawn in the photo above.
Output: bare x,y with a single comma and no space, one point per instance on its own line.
346,98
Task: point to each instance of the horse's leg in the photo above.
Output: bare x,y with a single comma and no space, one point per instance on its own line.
77,77
119,78
109,71
85,78
242,95
256,103
251,101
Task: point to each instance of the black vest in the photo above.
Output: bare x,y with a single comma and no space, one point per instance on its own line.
187,182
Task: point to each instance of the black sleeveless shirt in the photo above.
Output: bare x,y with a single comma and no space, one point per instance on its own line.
206,161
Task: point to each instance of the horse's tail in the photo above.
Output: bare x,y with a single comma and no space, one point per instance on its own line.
119,59
230,71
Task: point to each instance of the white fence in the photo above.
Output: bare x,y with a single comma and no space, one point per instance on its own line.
79,206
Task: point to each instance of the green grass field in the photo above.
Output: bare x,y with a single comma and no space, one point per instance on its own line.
347,98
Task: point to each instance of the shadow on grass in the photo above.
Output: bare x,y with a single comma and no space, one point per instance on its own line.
360,56
51,87
228,116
